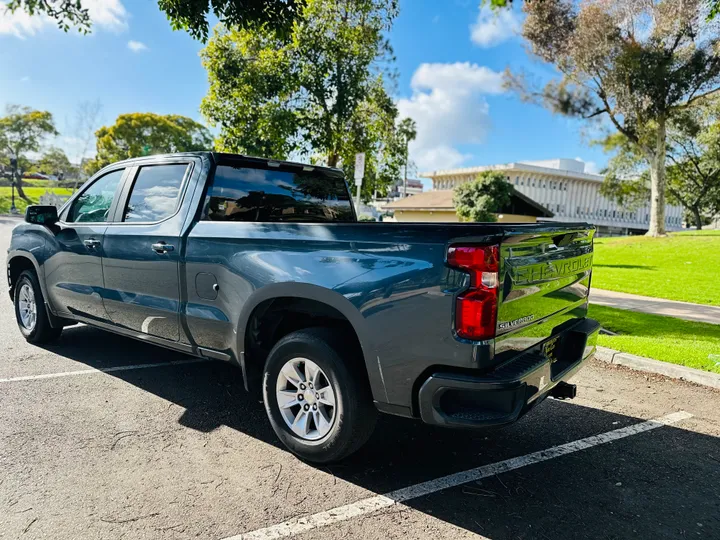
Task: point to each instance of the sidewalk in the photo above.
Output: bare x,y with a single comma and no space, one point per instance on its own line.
656,306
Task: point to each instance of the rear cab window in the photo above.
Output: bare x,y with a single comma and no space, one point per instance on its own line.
155,193
284,193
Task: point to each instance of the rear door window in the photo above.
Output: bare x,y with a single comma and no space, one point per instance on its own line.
289,194
155,193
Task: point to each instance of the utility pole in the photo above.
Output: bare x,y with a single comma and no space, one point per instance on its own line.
407,143
359,173
13,165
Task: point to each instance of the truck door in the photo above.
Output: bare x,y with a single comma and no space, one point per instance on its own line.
142,251
73,273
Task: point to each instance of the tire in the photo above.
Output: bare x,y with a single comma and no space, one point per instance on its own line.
30,313
351,420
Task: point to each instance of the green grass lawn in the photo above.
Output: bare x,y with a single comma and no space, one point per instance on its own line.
33,192
691,344
684,266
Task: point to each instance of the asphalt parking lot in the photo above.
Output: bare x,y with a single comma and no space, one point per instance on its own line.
105,437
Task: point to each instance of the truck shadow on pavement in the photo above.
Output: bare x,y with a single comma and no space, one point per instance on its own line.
664,483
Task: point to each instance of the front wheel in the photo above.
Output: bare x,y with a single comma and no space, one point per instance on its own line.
30,313
318,401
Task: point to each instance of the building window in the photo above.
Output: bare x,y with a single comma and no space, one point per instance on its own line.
517,179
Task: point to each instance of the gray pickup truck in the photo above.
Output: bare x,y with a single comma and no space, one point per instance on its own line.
263,264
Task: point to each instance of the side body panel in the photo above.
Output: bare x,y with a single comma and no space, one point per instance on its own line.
73,271
391,282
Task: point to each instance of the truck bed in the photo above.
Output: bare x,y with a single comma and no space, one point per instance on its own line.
392,281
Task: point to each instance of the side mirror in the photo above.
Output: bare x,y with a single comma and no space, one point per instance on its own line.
41,214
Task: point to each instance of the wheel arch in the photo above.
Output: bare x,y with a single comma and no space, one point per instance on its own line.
330,302
18,261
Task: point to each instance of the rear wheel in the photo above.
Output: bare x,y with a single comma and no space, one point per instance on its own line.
30,313
318,401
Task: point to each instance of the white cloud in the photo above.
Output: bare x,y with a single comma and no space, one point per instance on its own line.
25,79
104,14
591,167
107,14
493,26
449,108
136,46
20,24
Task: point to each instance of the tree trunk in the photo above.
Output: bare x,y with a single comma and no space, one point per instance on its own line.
698,217
658,183
19,189
333,159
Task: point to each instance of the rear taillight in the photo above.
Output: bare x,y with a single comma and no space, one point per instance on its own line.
476,308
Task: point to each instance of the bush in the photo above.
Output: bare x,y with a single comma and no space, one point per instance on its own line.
483,198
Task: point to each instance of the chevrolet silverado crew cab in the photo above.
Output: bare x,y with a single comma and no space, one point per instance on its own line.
263,264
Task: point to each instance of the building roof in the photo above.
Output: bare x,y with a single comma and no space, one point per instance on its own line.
441,201
429,200
555,167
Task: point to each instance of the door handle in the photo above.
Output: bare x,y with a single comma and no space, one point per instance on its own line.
91,243
162,247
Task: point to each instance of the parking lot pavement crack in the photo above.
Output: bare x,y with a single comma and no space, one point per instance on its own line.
129,520
120,436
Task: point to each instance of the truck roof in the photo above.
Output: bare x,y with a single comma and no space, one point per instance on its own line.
217,156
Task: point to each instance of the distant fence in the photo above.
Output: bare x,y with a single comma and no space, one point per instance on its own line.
53,199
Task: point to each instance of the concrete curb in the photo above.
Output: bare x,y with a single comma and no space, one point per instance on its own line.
640,363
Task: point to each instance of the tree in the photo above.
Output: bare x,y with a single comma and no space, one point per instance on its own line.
635,64
483,198
87,118
693,171
53,162
407,130
23,130
277,15
319,92
142,134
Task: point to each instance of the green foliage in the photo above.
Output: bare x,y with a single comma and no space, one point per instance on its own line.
483,198
693,171
275,15
33,197
66,13
663,338
682,266
192,16
54,161
23,130
318,92
141,134
634,64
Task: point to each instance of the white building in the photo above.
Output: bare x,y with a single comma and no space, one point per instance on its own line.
563,186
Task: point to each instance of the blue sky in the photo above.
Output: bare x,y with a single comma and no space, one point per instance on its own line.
449,56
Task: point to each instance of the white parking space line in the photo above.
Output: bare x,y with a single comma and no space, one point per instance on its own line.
371,504
103,370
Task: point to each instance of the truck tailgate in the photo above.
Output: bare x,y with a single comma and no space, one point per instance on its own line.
544,283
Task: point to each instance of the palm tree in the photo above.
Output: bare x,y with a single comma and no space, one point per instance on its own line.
408,131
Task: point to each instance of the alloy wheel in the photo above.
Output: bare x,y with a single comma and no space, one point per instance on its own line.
306,399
